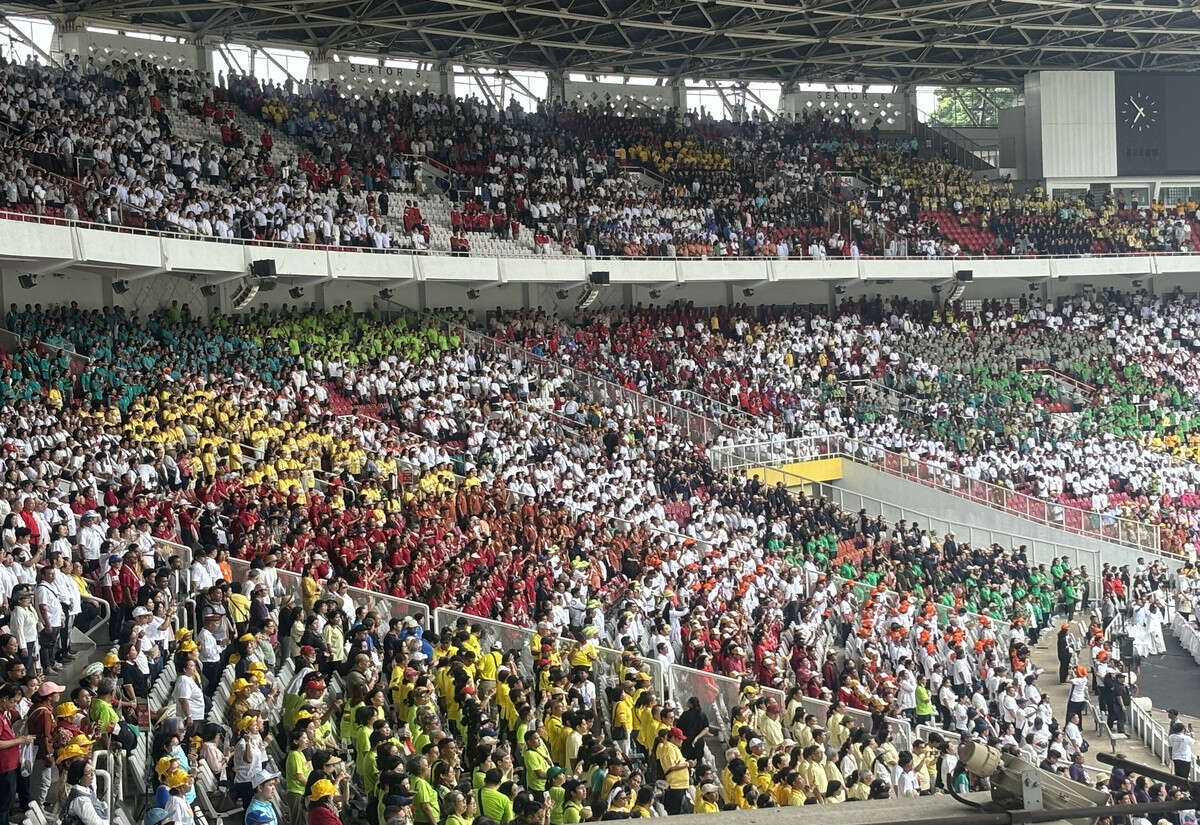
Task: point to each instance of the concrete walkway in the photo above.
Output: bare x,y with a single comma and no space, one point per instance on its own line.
1045,655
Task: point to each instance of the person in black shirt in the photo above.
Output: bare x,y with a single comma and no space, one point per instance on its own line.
694,724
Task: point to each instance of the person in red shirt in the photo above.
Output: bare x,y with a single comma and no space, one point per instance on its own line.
10,750
110,588
131,582
322,810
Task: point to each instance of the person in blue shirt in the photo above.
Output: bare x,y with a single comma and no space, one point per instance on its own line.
261,810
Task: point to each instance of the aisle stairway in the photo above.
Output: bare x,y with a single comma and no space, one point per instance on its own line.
1045,656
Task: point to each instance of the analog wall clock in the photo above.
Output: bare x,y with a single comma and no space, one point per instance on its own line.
1139,112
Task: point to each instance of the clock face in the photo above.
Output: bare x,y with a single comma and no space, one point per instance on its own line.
1139,112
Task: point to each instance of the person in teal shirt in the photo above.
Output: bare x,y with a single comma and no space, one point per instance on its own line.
261,810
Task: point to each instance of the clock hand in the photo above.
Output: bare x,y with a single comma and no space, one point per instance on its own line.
1138,115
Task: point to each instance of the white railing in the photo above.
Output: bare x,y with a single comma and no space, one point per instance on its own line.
738,458
745,459
1040,550
1154,734
110,777
1140,535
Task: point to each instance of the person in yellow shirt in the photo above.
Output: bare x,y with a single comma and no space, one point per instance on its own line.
812,768
675,769
486,669
552,726
623,719
706,801
794,782
734,783
857,789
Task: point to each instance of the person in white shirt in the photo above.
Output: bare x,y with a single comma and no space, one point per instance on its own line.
82,803
201,577
904,778
189,698
51,616
209,650
1077,698
1181,742
1073,736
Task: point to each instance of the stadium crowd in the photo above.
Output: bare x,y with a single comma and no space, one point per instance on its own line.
260,474
1086,404
250,469
564,177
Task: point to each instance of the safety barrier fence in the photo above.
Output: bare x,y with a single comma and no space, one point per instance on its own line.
1140,535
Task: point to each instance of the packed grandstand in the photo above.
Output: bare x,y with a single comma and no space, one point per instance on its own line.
332,564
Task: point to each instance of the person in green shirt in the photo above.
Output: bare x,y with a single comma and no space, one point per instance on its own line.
537,762
426,808
101,713
295,775
1070,595
555,779
924,709
459,807
492,804
574,794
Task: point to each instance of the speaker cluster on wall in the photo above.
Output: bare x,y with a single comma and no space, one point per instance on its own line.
246,292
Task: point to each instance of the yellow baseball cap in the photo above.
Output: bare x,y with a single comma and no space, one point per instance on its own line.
259,666
70,752
164,765
303,714
176,778
321,789
83,741
244,722
239,684
246,637
111,659
187,646
66,709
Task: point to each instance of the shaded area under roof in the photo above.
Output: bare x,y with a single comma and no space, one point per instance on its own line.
893,41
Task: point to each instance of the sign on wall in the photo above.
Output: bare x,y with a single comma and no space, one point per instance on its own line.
865,107
367,75
107,47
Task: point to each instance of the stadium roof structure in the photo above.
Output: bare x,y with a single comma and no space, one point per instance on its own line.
962,42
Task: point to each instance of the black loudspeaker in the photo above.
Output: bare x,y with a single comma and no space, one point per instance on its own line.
265,267
964,275
1125,645
27,281
599,277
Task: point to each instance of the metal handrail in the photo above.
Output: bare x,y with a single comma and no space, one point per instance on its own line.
1130,532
